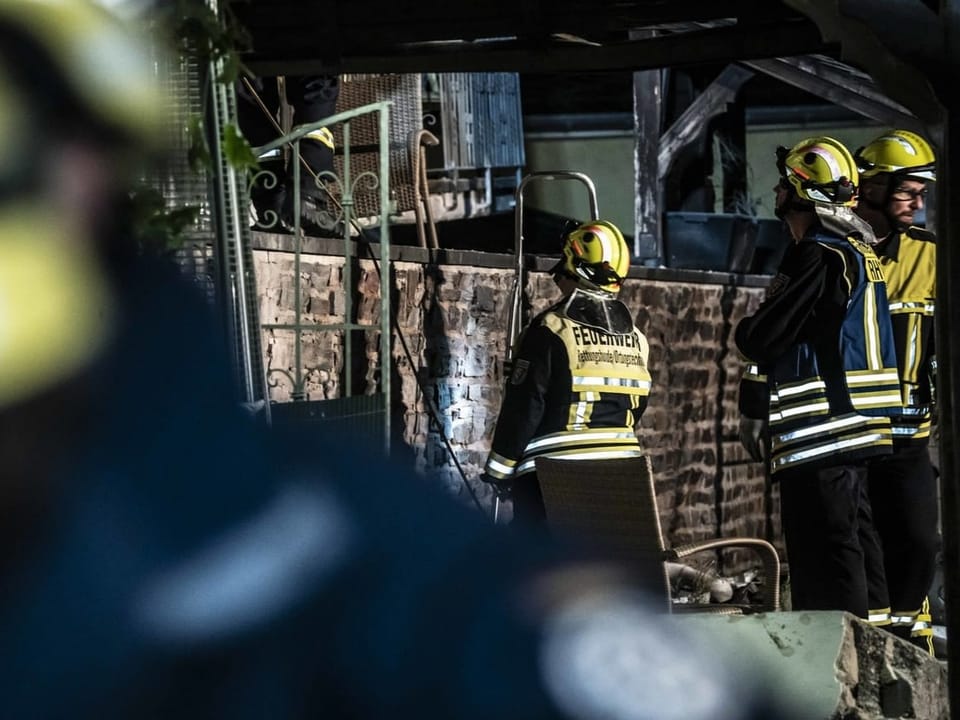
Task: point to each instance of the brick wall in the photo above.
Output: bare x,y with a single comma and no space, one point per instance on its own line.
453,320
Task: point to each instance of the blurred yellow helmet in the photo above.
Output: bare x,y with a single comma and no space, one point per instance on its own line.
596,256
70,71
55,309
899,152
86,60
820,170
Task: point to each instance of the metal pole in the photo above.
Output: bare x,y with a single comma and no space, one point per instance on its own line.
514,324
948,352
514,319
386,336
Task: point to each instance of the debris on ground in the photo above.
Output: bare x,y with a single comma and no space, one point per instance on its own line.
690,585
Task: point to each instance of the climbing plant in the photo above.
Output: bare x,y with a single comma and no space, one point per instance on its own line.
195,33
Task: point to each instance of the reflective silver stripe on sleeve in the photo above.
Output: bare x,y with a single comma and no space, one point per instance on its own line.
809,408
530,464
823,427
566,438
888,376
788,390
926,308
498,468
805,455
879,400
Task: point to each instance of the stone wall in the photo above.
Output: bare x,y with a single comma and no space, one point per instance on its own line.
452,315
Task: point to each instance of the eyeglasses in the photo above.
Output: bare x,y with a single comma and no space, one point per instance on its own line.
907,195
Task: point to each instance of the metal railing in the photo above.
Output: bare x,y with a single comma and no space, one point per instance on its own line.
340,192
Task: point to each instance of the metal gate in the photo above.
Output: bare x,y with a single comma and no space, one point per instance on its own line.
364,410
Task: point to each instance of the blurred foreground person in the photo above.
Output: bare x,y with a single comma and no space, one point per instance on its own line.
163,558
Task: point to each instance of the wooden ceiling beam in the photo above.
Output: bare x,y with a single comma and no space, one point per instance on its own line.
717,45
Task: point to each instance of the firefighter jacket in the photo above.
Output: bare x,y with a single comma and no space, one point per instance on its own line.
909,262
578,386
822,365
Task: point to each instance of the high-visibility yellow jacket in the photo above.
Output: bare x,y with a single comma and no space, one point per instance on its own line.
577,388
909,261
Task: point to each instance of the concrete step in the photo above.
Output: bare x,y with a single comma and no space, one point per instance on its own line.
828,664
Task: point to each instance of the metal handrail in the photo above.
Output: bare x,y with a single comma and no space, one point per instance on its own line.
514,325
514,319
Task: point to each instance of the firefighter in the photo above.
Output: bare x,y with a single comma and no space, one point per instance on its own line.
312,98
821,380
579,382
895,169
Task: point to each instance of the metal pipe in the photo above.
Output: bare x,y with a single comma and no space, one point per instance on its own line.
514,319
948,352
514,324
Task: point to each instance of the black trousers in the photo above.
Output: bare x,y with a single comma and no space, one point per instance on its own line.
820,512
528,507
903,497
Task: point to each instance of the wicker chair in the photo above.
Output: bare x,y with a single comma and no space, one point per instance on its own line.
611,505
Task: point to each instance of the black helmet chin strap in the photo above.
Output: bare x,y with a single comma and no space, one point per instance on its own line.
791,203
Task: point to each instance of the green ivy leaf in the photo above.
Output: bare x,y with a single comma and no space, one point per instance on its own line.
237,150
198,152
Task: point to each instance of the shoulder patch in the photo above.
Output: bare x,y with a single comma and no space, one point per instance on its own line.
519,374
777,284
919,233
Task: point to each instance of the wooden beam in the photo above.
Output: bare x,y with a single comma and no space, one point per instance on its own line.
723,44
694,119
841,85
648,195
861,46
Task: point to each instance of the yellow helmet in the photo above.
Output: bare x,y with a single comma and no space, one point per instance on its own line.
95,65
596,256
820,170
69,70
898,152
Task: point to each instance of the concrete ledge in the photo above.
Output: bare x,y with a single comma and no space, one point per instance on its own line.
278,242
828,665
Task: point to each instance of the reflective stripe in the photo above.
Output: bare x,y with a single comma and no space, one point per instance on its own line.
322,135
862,378
871,328
556,439
812,453
788,390
808,409
919,410
876,399
610,381
904,430
912,359
823,428
529,465
879,617
580,413
925,308
499,466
